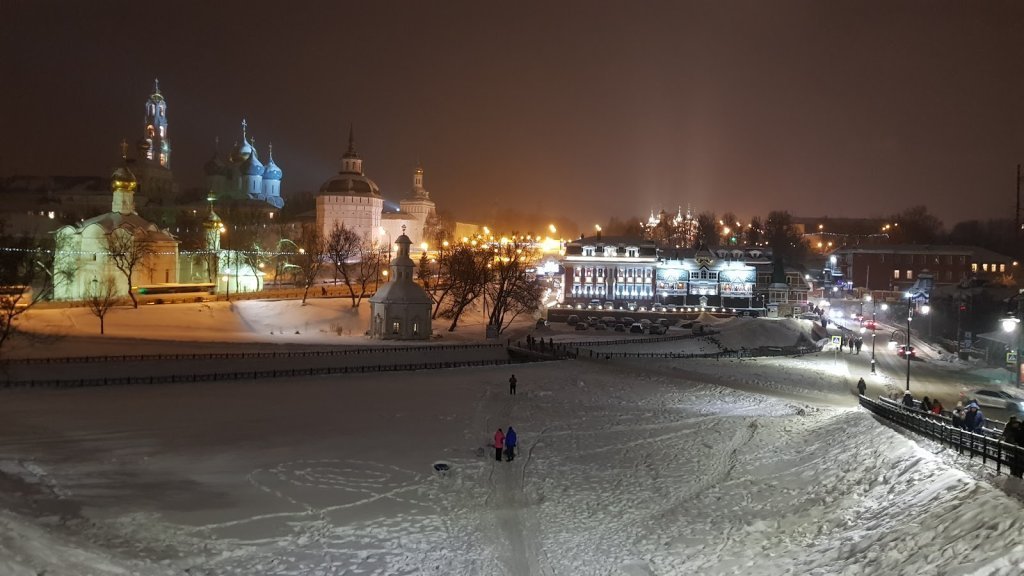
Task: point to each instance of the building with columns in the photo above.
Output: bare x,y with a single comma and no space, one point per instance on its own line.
631,271
351,199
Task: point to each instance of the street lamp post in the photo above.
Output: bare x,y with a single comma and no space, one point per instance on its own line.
906,349
910,315
1014,325
874,326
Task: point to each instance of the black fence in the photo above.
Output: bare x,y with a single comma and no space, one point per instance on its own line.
994,452
252,355
249,375
745,353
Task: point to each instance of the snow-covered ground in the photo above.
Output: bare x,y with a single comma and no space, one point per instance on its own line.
633,468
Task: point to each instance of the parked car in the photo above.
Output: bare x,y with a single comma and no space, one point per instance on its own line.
595,304
609,305
903,350
601,326
541,323
697,328
645,322
609,320
999,399
664,322
572,320
592,320
656,329
581,325
636,328
620,327
670,307
627,321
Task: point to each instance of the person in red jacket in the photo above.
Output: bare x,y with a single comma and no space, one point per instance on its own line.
499,444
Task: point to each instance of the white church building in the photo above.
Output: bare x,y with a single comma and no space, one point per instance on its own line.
83,250
353,200
400,310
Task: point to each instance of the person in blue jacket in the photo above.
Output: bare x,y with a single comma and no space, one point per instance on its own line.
510,444
974,420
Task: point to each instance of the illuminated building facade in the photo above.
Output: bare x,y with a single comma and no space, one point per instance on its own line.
627,271
152,164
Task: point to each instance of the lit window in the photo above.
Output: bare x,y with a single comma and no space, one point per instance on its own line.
910,274
984,267
896,274
1002,267
51,215
974,266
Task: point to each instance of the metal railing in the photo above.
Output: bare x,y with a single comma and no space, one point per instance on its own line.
993,451
252,355
249,375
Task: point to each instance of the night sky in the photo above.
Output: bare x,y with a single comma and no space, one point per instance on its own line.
583,109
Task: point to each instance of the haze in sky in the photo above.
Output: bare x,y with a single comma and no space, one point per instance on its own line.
579,109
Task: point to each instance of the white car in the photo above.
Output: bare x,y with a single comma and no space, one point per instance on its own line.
994,398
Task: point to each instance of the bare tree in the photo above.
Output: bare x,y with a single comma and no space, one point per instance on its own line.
101,297
344,247
129,250
310,259
433,275
511,289
468,272
25,279
370,261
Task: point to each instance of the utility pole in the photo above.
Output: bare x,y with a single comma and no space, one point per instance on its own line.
1016,214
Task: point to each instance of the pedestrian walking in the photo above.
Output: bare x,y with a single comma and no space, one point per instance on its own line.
974,420
512,385
1013,433
926,404
499,444
859,343
862,387
850,342
908,399
511,439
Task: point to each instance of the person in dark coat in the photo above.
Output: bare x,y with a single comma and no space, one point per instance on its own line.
512,385
511,439
957,417
974,420
908,399
1013,433
862,387
926,404
499,444
858,343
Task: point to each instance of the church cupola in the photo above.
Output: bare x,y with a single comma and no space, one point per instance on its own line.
252,175
242,150
123,185
350,162
212,226
272,171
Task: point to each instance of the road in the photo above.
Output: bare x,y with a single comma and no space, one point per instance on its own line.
929,376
